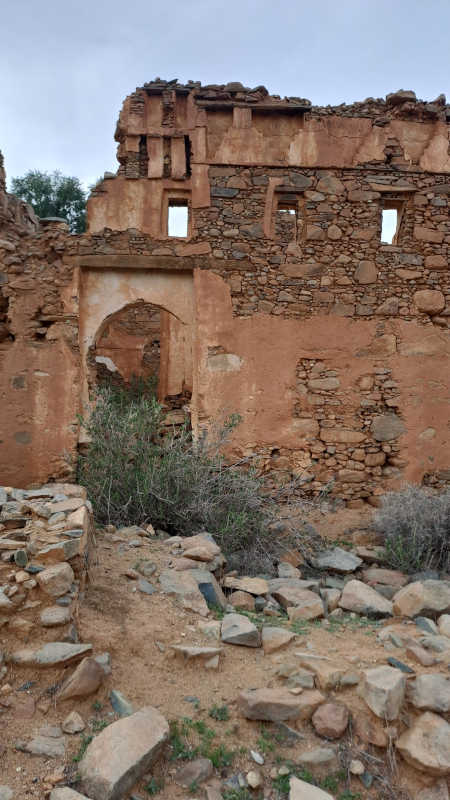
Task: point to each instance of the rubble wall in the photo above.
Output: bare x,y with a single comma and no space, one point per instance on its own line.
331,345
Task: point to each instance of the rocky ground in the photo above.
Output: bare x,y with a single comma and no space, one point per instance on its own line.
331,681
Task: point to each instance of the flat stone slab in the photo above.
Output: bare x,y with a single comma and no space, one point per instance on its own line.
51,655
64,793
122,753
44,746
272,705
255,586
237,629
338,560
55,615
195,652
274,638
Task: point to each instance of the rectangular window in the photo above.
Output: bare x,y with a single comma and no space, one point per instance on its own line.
391,218
389,221
178,218
286,219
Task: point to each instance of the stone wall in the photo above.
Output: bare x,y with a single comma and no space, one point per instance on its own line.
284,305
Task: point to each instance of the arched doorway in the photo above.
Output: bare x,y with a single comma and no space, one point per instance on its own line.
144,341
142,321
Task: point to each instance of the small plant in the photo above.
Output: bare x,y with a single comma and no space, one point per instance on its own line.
416,529
84,744
153,787
97,706
98,725
347,795
221,756
193,787
220,713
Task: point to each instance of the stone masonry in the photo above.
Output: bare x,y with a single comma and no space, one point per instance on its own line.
281,303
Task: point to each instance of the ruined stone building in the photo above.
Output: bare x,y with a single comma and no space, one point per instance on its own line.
260,256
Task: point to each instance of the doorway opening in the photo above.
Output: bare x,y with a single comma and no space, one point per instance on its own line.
141,342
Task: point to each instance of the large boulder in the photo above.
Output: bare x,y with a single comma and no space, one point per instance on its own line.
383,689
362,599
124,751
430,693
426,598
426,744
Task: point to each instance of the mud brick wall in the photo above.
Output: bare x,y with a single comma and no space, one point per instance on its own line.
282,303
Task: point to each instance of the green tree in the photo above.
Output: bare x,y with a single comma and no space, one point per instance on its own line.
53,195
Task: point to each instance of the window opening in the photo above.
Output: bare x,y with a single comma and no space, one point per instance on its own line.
178,218
389,225
286,220
188,152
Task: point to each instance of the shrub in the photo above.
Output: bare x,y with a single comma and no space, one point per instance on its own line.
416,529
135,473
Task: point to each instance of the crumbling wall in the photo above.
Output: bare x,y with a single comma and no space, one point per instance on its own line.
332,345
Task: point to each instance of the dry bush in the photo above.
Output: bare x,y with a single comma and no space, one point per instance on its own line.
135,474
416,528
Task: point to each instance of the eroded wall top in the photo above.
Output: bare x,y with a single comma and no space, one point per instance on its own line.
165,127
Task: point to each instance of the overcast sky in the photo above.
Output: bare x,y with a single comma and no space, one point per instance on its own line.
65,67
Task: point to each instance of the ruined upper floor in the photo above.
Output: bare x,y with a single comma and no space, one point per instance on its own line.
166,129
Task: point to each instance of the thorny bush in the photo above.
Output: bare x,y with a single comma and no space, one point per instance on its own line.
416,528
135,472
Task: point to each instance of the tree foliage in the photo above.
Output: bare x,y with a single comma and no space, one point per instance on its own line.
53,195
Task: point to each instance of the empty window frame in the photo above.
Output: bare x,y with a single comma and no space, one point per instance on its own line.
178,218
391,217
286,218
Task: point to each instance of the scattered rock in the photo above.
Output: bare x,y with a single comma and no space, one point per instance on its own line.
73,723
426,744
244,600
185,587
330,720
308,701
237,629
394,662
191,652
209,588
145,587
85,680
369,729
64,793
120,704
255,586
196,771
51,655
254,779
275,638
45,744
383,689
122,753
362,599
320,761
337,560
430,693
6,793
273,705
300,790
422,597
389,577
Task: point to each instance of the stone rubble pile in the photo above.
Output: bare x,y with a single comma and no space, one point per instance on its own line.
402,709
